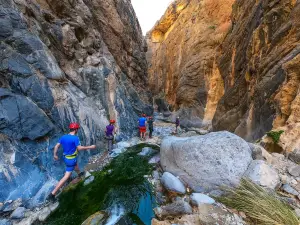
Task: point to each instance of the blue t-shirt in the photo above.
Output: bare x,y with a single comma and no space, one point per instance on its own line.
69,143
142,122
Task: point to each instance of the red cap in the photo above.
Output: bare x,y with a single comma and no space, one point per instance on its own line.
112,121
143,115
74,126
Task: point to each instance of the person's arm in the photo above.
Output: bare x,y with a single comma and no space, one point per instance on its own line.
82,148
55,151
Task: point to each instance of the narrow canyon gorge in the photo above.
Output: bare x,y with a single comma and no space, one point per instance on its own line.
228,69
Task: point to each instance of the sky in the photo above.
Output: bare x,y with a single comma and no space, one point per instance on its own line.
149,11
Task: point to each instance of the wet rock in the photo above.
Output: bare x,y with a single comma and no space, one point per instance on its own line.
294,170
44,214
96,219
177,208
18,213
89,180
5,222
287,188
146,151
155,159
206,162
211,215
261,173
87,174
31,218
54,206
172,183
12,205
198,199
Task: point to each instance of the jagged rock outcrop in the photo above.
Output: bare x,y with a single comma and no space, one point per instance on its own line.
63,61
259,63
182,57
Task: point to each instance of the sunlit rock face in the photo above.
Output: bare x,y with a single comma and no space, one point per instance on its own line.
259,63
64,61
182,57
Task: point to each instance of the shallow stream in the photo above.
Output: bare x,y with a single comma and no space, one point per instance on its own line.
121,189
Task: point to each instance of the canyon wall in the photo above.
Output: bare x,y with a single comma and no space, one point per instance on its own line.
233,63
64,61
182,57
259,63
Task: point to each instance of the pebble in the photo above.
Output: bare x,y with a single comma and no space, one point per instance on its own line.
18,213
88,181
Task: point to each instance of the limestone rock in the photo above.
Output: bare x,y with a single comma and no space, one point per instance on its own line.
5,222
295,156
96,219
177,208
44,214
211,215
18,213
294,170
206,162
146,151
198,199
259,153
258,96
172,183
12,205
261,173
187,74
287,188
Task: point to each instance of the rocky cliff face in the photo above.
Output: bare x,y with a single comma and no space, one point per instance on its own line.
63,61
234,62
182,57
259,63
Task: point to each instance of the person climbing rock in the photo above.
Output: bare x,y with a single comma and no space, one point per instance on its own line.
150,126
177,123
71,145
109,132
142,126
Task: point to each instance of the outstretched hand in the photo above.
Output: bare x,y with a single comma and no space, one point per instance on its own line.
93,146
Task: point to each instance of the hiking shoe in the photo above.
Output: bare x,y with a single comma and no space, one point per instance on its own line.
81,174
51,198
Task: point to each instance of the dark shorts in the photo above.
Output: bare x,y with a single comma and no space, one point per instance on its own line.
70,164
143,129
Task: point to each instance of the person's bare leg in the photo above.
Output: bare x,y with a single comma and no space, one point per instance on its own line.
77,170
61,182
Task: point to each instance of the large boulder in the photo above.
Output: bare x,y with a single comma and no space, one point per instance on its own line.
263,174
206,162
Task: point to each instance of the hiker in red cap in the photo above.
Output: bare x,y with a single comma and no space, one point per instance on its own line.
142,126
109,132
71,145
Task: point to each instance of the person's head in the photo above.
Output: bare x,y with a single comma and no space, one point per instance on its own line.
74,127
143,115
150,118
112,122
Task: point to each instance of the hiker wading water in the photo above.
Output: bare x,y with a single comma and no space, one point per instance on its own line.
109,132
142,126
150,126
71,145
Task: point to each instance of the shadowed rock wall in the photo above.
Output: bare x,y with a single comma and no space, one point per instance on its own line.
63,61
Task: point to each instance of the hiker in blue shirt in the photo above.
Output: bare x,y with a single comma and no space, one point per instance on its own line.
142,126
71,145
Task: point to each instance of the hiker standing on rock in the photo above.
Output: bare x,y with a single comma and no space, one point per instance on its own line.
177,123
110,131
150,126
71,145
142,126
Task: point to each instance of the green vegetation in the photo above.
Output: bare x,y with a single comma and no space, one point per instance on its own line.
275,135
121,182
213,27
259,205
